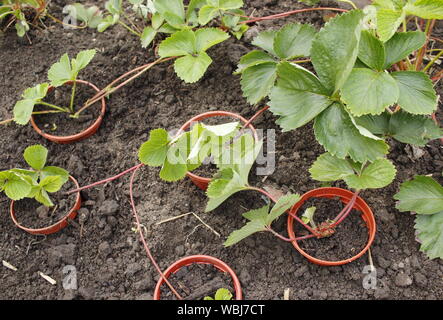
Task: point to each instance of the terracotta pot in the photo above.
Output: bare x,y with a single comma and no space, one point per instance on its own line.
345,196
62,223
200,259
199,181
82,135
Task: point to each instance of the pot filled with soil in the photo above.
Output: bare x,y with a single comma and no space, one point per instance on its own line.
70,129
32,217
345,242
199,181
196,277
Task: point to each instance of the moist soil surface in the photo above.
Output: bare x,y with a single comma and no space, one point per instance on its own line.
197,281
102,246
349,238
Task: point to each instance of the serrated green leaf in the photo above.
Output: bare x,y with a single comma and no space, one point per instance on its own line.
207,13
371,51
330,168
106,22
294,40
401,45
178,44
60,72
388,21
430,233
308,216
37,92
260,214
417,94
172,10
265,40
174,167
253,58
426,9
82,59
208,37
148,36
223,294
281,206
335,49
378,124
335,131
154,151
23,111
249,229
51,183
17,188
192,68
55,171
43,197
369,92
376,175
221,130
257,81
35,156
422,195
298,97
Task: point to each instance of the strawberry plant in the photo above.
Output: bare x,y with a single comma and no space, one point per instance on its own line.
34,183
164,16
60,73
351,96
221,294
18,13
424,196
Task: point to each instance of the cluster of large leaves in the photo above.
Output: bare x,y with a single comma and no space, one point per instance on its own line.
424,196
258,68
35,183
261,219
370,89
392,13
187,151
190,47
377,174
60,72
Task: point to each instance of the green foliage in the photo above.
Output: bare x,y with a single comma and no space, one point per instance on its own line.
221,294
191,48
35,183
261,219
90,16
424,196
258,69
15,10
377,174
31,96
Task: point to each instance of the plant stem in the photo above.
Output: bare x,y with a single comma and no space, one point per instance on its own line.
65,24
6,121
288,239
110,89
421,52
47,111
285,14
346,210
129,28
433,61
53,106
142,237
71,105
105,180
267,194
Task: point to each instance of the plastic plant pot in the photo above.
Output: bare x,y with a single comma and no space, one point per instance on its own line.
199,181
82,135
200,259
62,223
345,196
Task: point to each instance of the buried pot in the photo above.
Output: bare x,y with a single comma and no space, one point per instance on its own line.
92,129
200,259
59,225
344,196
199,181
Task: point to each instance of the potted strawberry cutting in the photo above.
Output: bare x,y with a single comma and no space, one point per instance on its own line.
32,209
50,107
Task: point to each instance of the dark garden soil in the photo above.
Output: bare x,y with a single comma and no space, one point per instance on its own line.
102,245
197,281
61,124
32,214
350,236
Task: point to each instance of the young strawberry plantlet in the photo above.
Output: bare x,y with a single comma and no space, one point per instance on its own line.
63,72
34,183
424,196
18,13
221,294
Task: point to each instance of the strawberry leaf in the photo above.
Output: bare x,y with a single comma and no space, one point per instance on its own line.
36,156
430,233
401,45
154,151
294,40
